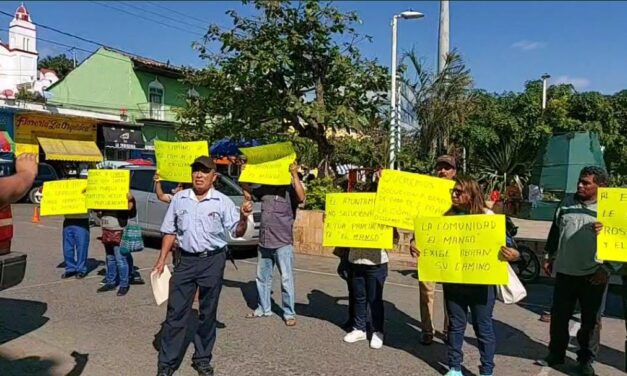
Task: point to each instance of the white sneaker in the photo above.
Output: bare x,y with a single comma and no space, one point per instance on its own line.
355,336
376,342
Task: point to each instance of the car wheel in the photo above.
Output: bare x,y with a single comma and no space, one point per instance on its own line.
34,196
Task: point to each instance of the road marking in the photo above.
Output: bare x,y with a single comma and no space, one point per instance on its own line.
335,275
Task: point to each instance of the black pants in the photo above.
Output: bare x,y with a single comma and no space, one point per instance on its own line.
568,291
367,283
344,271
204,273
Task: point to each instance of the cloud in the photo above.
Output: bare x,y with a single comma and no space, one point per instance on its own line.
578,82
528,45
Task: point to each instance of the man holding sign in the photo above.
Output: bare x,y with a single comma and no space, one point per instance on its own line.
580,276
445,168
276,238
198,219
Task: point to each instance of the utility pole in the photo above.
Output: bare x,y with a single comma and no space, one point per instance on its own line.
443,35
545,79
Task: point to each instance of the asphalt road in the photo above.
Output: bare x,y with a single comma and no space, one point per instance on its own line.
50,326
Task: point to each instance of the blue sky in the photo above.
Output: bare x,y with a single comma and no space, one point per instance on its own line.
504,43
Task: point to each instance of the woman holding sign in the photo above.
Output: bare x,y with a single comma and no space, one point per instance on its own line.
467,198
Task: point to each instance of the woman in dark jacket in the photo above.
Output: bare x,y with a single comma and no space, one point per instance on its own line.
467,198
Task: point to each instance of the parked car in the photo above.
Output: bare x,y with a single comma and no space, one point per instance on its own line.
45,173
151,211
12,264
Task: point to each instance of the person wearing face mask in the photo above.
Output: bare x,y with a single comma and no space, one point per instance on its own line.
445,168
459,299
198,219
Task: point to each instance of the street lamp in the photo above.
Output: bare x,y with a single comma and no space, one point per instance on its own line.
395,134
545,77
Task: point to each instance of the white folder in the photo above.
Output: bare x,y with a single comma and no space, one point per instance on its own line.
161,285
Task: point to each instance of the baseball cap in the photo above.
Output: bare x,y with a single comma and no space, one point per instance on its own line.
204,161
449,160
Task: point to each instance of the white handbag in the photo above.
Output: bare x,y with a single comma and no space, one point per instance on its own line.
514,291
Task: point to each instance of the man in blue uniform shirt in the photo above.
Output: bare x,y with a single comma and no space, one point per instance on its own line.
198,218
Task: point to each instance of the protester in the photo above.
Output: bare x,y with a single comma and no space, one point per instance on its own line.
14,187
198,219
119,266
368,271
467,198
276,239
344,271
445,168
167,197
580,277
75,245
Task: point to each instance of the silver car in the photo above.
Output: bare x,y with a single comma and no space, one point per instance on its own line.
151,211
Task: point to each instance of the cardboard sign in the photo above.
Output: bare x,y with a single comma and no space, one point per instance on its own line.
268,164
402,196
174,159
461,249
349,222
107,189
62,197
26,148
612,213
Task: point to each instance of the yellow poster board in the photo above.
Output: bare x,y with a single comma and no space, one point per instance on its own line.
402,196
268,164
349,222
107,189
62,197
21,148
174,159
612,212
461,249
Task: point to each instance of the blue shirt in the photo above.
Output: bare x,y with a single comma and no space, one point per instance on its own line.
200,225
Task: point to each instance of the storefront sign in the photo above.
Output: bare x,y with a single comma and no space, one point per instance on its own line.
30,126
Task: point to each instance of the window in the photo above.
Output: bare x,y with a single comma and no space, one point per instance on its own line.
227,187
155,98
142,180
45,172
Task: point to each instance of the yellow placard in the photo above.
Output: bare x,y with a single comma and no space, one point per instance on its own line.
21,148
107,189
174,159
349,222
268,164
461,249
401,196
612,212
29,126
62,197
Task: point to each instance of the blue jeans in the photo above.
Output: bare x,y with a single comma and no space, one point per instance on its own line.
117,266
266,259
367,284
75,248
479,299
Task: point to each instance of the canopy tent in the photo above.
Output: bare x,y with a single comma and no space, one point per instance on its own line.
228,147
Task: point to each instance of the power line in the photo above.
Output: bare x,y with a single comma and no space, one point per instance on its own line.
204,29
177,12
158,22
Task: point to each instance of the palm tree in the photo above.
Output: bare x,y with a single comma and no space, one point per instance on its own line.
442,100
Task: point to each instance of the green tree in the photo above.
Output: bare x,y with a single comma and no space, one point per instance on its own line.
293,68
442,100
60,64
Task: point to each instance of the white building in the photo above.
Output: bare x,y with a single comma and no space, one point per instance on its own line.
18,58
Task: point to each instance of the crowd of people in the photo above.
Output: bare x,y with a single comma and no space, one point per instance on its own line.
199,217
